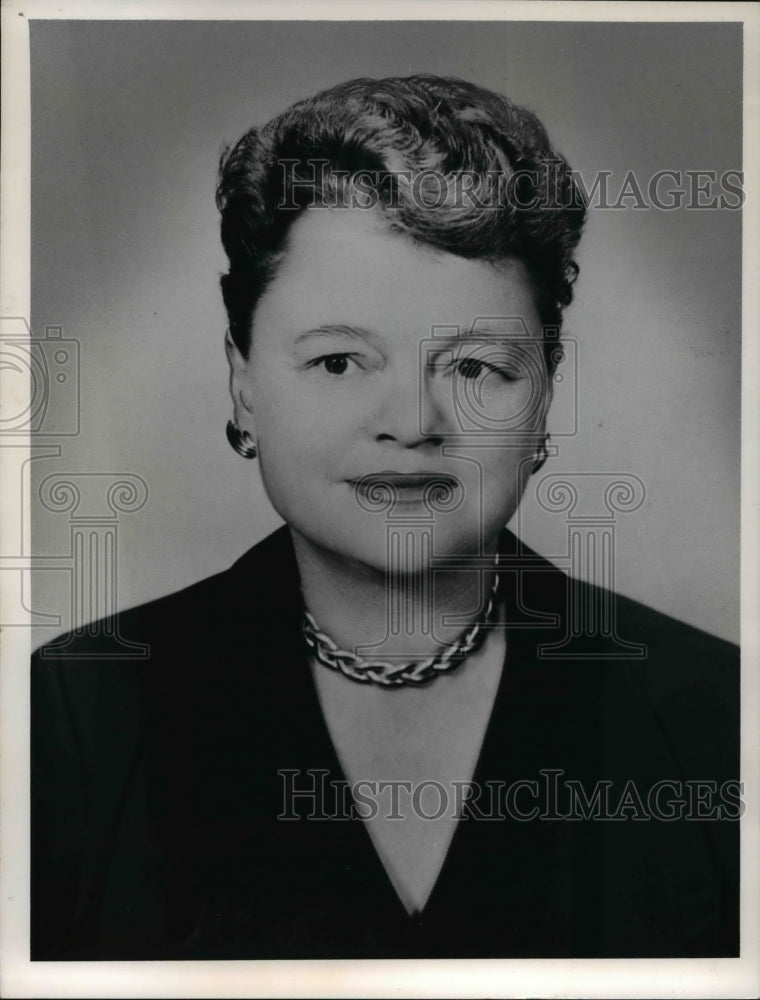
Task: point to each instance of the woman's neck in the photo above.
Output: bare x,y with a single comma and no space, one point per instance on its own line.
404,616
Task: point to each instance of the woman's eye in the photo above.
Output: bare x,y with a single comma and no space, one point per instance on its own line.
334,364
470,367
473,368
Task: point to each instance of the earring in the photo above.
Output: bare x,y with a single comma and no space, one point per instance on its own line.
241,441
543,454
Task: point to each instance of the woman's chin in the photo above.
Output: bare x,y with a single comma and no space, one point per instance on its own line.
398,550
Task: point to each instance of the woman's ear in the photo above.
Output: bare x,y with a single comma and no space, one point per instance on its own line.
548,395
240,385
546,390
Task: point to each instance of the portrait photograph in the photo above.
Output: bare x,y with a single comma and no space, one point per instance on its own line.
380,485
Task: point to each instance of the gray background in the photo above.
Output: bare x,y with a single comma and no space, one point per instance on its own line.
128,120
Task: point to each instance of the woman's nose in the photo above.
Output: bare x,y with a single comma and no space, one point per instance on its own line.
409,411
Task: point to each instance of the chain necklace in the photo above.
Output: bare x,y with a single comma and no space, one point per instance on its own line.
386,674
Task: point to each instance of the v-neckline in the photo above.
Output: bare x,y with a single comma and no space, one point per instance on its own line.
491,867
373,860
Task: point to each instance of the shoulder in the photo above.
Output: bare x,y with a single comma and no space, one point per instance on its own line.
104,696
165,652
606,613
636,660
260,577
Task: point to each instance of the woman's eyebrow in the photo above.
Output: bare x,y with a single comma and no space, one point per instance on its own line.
494,331
331,329
503,326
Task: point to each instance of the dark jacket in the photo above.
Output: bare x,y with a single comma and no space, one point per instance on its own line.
157,782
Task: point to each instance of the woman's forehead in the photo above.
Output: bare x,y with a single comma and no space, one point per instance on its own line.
350,262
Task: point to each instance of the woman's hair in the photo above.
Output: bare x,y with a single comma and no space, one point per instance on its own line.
447,163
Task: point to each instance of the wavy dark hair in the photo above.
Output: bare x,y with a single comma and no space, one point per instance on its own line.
449,164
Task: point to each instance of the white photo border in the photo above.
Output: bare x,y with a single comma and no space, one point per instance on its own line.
496,978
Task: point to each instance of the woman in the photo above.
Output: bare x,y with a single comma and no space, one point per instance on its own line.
357,742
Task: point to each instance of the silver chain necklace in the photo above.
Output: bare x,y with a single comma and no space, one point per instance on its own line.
385,674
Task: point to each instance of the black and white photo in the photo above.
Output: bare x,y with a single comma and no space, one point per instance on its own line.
381,463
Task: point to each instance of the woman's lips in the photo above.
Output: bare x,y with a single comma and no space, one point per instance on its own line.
382,488
404,480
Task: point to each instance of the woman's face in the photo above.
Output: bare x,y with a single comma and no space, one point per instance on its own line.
374,356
